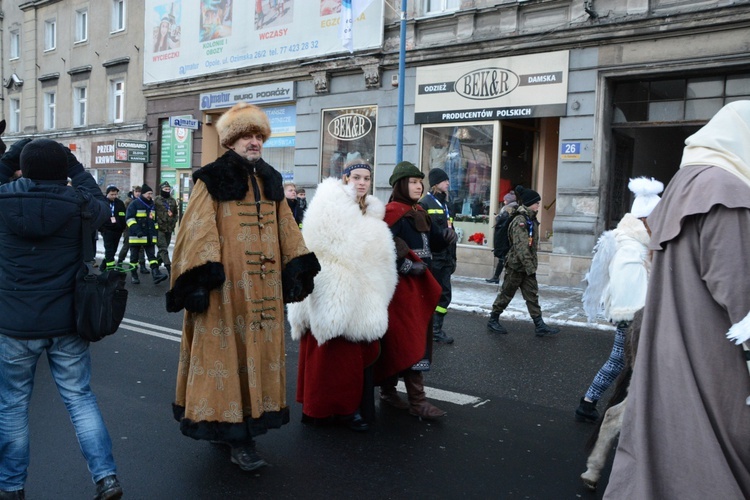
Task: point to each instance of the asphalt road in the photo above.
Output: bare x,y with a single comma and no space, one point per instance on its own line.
515,436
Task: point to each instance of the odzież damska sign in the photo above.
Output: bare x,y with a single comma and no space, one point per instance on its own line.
131,151
529,86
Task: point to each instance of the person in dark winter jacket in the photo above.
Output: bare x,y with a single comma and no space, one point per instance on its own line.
42,252
166,216
290,193
113,226
10,166
141,220
435,202
521,263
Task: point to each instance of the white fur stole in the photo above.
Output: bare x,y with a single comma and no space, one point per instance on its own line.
358,267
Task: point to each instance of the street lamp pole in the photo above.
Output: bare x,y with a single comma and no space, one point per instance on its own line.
401,82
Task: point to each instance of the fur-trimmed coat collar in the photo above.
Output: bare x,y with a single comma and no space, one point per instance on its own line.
358,267
227,178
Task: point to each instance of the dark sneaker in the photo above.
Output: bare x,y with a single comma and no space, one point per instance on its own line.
492,280
247,458
442,337
357,423
108,488
586,411
494,326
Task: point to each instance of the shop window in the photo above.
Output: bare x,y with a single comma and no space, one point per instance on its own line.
465,153
347,133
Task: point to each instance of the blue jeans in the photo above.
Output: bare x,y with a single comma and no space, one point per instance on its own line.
70,364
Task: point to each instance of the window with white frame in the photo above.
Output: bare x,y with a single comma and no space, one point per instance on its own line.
117,100
49,110
439,6
15,44
118,15
80,104
15,115
50,34
82,25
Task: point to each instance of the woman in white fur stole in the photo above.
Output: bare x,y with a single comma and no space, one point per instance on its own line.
340,323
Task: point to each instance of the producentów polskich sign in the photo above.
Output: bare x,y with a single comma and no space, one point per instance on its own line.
528,86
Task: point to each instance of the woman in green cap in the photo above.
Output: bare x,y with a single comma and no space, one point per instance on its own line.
410,312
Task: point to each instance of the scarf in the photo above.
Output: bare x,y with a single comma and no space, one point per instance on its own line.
414,211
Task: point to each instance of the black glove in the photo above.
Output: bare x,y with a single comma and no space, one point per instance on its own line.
197,301
449,235
74,166
12,157
418,268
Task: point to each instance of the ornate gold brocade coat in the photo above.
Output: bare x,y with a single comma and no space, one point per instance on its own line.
239,240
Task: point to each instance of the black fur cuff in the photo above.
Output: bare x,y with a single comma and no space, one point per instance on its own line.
297,277
209,276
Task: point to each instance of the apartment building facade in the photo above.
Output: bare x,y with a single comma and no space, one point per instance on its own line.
72,72
569,97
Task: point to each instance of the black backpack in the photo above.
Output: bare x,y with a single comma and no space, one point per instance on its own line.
502,241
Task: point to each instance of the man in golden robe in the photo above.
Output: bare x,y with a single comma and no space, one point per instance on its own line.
239,256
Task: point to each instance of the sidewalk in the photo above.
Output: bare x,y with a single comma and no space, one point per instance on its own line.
560,305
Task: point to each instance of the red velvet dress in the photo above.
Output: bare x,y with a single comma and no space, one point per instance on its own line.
339,366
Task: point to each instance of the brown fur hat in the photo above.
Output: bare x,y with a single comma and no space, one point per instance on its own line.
242,119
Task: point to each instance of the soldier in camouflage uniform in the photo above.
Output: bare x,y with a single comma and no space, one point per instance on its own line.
166,217
521,264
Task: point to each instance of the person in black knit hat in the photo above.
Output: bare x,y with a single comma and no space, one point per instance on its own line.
141,219
521,264
41,244
435,202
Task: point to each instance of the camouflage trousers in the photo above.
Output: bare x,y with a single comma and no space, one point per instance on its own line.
529,289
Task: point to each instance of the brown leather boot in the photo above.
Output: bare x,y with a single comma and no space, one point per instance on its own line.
418,404
389,395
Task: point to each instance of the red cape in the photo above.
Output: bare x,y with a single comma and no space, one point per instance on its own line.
409,313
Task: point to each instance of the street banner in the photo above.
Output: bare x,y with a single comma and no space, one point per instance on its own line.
189,38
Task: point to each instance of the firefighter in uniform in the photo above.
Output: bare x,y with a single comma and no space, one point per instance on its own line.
435,202
141,220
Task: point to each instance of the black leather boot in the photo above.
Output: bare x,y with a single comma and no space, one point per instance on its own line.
157,275
144,269
134,277
494,326
438,335
542,329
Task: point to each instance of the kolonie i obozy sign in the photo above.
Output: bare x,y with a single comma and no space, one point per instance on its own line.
131,151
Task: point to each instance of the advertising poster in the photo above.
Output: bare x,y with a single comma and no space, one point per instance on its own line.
188,38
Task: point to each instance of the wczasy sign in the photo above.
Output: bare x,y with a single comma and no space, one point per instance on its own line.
528,86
